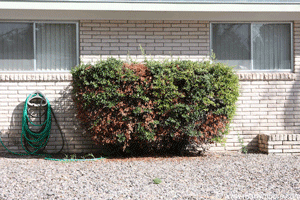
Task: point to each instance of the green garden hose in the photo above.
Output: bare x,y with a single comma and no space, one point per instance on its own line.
33,142
74,160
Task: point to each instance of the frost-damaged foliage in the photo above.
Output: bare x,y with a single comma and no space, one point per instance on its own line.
156,105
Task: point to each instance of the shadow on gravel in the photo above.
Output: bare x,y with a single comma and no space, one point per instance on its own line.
129,157
13,156
114,156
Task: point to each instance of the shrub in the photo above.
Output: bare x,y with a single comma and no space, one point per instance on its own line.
156,105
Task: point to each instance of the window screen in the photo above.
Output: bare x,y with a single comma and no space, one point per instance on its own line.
37,46
253,46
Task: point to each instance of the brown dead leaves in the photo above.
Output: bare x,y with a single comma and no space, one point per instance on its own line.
108,125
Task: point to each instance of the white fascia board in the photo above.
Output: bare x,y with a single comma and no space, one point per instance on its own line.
155,7
121,15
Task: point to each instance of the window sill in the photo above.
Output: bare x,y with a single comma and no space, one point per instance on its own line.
278,76
39,77
66,76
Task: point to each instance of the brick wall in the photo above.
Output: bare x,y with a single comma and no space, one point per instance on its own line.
264,107
160,39
279,144
268,103
14,90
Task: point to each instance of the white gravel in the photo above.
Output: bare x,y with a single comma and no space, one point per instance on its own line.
216,176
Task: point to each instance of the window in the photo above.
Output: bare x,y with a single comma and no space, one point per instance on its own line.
37,46
253,46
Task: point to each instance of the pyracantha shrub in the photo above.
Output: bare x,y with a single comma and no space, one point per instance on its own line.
155,105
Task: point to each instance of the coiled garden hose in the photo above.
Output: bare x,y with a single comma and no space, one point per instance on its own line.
33,142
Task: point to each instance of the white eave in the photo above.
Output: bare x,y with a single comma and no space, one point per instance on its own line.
161,7
151,11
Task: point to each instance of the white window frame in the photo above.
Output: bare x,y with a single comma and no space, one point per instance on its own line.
34,45
251,42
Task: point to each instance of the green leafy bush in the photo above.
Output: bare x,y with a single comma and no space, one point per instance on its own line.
156,105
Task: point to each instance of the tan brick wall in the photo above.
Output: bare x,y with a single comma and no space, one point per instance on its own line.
279,144
159,39
268,102
264,107
15,89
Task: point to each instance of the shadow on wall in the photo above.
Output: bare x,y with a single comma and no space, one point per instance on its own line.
77,140
12,137
277,109
73,138
291,119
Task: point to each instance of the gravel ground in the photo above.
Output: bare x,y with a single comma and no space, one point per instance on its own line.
215,176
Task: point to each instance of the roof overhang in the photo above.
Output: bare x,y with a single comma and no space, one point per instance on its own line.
95,10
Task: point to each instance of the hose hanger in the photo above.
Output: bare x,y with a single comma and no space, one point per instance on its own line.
37,106
35,97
